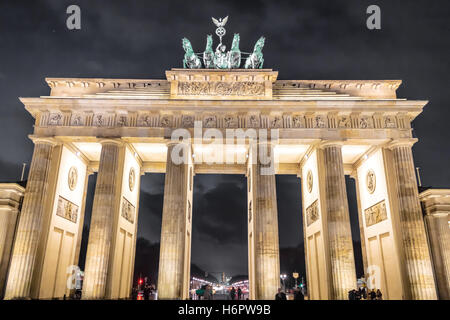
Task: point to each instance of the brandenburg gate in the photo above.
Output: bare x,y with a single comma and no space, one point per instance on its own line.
223,119
317,130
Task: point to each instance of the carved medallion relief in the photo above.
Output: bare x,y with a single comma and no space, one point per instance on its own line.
72,178
309,180
131,179
371,182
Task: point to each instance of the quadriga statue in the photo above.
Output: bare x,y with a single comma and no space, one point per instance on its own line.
235,53
256,60
190,60
208,54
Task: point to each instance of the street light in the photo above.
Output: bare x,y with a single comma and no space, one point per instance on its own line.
295,275
283,277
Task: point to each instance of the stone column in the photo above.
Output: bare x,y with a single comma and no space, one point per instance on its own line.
439,235
436,207
265,224
30,222
174,250
101,228
415,246
342,261
11,197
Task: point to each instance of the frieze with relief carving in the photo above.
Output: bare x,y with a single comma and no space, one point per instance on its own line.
165,121
122,120
230,122
252,120
276,122
77,120
145,120
221,88
298,121
209,122
365,123
187,121
320,121
344,122
55,119
389,122
100,120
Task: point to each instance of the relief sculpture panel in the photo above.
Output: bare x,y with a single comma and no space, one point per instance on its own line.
375,213
312,213
128,210
67,210
221,88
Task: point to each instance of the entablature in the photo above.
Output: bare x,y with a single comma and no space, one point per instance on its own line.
89,113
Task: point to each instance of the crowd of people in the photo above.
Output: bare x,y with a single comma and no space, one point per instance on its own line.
147,292
297,294
206,293
363,293
236,294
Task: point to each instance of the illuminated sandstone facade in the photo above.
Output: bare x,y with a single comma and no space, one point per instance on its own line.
436,208
11,197
317,130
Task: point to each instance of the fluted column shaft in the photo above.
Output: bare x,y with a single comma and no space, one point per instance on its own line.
265,215
415,246
173,230
30,222
8,221
439,235
343,274
101,228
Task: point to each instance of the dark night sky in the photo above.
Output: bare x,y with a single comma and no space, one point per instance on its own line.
304,40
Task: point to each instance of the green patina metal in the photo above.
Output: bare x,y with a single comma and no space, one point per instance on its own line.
190,61
208,54
235,53
222,59
256,60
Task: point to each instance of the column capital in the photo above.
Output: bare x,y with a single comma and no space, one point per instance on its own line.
118,142
170,143
330,143
89,170
354,175
267,142
44,140
395,143
188,156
